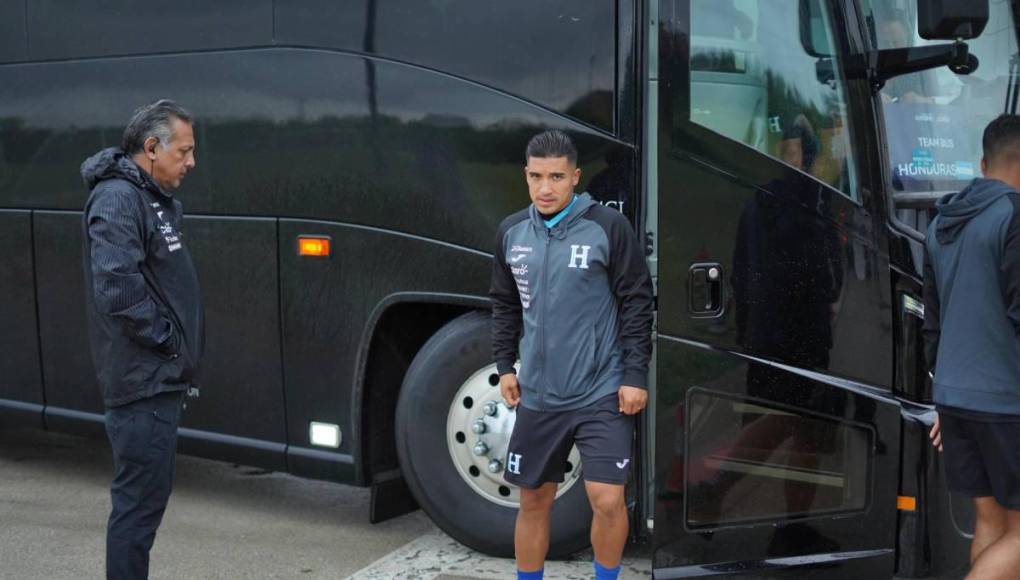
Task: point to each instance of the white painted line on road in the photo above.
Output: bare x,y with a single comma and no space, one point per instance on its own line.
436,555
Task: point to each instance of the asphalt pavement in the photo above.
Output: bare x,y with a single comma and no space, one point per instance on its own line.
224,521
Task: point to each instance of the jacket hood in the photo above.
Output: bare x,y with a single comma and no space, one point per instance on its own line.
956,209
581,207
113,163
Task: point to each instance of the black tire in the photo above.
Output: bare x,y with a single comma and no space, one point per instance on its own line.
443,365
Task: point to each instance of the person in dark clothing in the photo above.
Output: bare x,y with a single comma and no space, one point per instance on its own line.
145,318
572,297
972,341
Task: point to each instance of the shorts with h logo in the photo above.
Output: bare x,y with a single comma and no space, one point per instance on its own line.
541,442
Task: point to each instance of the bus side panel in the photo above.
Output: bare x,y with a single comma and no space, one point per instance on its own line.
70,379
20,379
763,469
242,394
241,385
327,303
934,539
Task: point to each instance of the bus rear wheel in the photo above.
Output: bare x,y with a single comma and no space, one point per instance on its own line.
452,435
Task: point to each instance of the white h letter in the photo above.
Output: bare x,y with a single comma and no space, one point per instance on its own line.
579,254
513,463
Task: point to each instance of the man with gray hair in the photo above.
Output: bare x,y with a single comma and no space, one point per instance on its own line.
145,318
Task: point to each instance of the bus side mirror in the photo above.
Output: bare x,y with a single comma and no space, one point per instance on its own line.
951,19
812,29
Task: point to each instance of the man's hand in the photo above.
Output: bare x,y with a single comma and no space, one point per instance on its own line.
510,389
632,400
936,434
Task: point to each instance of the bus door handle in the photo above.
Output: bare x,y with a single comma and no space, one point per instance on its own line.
706,290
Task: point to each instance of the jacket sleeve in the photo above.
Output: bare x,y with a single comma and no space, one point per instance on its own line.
632,285
506,310
117,246
932,327
1011,265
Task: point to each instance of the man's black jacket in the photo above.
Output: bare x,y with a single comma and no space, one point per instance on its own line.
144,306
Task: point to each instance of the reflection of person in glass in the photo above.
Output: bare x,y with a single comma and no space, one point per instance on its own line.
787,271
613,185
787,275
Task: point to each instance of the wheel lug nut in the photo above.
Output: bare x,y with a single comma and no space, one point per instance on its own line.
481,448
495,466
490,408
478,427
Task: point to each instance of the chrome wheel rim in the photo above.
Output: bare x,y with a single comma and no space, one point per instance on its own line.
478,430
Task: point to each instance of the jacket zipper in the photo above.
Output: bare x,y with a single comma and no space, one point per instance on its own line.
545,288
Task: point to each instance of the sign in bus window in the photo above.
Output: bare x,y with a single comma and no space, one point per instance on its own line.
753,81
750,460
934,118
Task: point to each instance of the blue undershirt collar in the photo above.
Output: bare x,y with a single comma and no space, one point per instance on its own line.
551,223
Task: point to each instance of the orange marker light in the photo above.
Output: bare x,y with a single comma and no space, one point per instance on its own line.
313,246
906,503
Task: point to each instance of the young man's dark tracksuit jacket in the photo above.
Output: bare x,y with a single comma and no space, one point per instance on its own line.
972,299
578,297
143,301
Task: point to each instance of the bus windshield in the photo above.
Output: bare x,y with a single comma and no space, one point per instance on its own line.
934,118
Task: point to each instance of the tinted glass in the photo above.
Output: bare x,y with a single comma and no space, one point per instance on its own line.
935,118
559,53
297,133
12,31
130,27
750,461
754,80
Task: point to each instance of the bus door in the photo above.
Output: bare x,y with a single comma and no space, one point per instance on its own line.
776,432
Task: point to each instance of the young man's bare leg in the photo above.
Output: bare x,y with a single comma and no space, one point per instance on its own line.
990,525
1001,559
609,523
531,535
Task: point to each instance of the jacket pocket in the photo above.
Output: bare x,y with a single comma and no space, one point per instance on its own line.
164,431
182,358
130,431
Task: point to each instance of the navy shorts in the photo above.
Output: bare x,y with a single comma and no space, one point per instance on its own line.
982,457
541,442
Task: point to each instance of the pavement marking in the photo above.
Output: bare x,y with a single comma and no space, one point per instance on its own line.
436,556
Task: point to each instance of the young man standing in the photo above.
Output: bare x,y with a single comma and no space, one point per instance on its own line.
972,335
570,284
145,318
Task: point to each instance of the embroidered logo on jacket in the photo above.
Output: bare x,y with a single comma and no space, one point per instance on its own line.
579,256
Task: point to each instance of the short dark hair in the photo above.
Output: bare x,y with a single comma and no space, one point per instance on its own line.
1002,138
801,129
153,120
552,143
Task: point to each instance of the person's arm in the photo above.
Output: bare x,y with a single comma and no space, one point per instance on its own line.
506,310
117,252
1011,264
632,284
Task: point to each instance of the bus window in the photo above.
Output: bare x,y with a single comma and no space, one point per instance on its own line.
934,118
752,461
753,81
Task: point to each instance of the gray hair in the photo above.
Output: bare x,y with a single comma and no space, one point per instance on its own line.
153,120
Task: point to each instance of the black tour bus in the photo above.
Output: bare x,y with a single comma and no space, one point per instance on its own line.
777,156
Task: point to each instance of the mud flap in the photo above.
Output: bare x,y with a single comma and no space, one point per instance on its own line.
390,499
